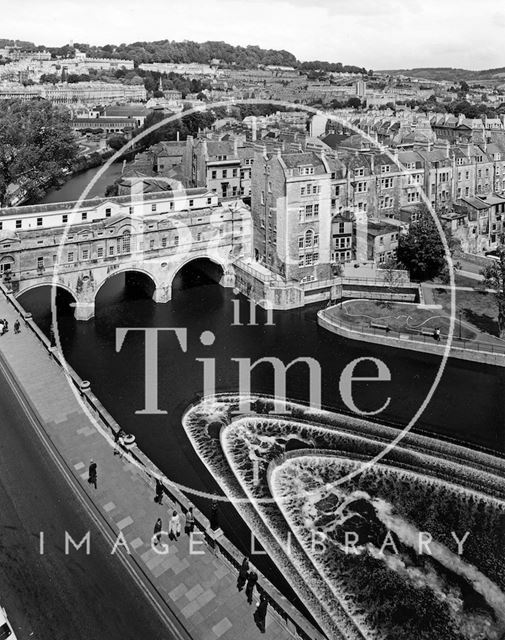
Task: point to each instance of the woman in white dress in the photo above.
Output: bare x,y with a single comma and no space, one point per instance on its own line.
174,526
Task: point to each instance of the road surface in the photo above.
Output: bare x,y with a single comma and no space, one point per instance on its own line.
56,596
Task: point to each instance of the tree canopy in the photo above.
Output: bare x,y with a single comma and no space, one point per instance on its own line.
36,144
494,278
421,249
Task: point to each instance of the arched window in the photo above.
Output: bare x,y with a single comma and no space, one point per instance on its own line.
126,244
309,239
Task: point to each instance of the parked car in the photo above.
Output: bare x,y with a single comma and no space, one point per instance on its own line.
6,632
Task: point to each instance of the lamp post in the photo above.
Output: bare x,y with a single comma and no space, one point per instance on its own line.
460,312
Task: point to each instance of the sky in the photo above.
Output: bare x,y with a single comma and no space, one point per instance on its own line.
377,34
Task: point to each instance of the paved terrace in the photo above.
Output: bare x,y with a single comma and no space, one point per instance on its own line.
199,589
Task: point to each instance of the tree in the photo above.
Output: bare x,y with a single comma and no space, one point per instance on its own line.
36,144
421,249
494,278
354,103
392,277
116,141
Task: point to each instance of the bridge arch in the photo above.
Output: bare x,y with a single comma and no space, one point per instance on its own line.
203,268
46,283
125,270
38,299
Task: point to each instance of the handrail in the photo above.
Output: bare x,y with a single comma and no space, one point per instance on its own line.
415,335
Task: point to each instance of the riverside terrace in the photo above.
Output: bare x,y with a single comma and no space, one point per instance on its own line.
79,247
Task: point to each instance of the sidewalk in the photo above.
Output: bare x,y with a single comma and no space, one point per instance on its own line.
200,589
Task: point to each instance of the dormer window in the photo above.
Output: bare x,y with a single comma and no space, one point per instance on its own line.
385,168
306,171
360,171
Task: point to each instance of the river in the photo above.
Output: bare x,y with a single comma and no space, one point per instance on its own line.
468,406
73,188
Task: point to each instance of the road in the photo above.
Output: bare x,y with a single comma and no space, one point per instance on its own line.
56,596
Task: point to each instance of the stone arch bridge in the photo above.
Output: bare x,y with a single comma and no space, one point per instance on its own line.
81,258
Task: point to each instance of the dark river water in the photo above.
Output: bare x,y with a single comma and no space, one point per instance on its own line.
468,405
73,189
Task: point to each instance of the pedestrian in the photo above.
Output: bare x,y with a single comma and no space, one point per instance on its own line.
190,521
157,531
214,520
436,334
17,327
252,579
174,526
261,612
6,325
118,442
242,574
159,492
92,473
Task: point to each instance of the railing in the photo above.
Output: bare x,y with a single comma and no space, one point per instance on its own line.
414,335
290,617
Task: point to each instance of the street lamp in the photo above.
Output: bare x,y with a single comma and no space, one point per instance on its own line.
460,312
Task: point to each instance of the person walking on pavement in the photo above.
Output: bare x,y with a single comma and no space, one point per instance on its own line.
190,521
157,532
159,492
174,526
242,574
92,473
17,327
261,612
251,582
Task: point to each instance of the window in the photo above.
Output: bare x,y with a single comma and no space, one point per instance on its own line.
176,240
413,197
309,237
386,202
108,212
164,241
303,190
18,224
126,244
191,203
234,173
153,207
385,168
387,183
262,197
300,242
130,210
64,218
70,256
225,173
99,252
209,200
40,263
306,171
213,175
309,210
85,254
361,187
360,171
151,244
39,222
316,210
84,215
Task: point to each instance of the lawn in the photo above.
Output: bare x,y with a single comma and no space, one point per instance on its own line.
404,318
478,308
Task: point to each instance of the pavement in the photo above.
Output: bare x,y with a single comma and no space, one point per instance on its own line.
200,590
